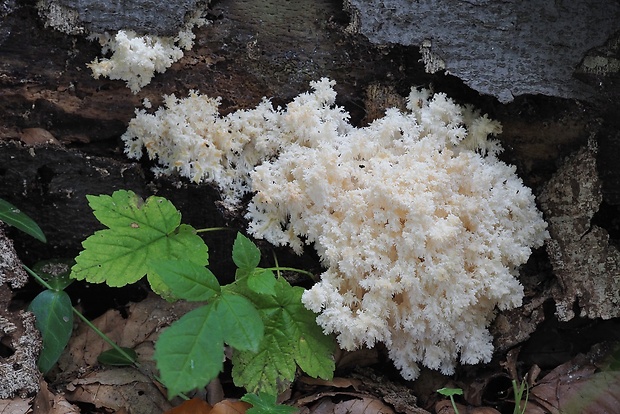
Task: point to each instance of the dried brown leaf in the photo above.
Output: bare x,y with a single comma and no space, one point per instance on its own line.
193,406
46,402
15,406
138,331
119,388
230,407
37,136
362,405
337,382
445,407
577,387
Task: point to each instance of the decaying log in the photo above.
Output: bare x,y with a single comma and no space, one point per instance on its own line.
60,128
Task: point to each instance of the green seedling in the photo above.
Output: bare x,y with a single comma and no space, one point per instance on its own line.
53,310
451,392
519,390
52,307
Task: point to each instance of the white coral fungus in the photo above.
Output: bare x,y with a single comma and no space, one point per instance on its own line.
188,136
420,225
135,58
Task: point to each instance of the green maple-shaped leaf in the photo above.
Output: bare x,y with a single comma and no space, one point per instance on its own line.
292,338
313,349
137,233
268,370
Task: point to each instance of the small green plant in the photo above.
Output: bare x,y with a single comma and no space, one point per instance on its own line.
52,307
451,392
518,390
259,315
53,311
54,318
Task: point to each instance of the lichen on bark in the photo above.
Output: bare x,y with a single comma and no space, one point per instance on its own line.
19,374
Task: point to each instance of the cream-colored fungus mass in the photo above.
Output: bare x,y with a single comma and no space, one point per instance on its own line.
420,226
136,58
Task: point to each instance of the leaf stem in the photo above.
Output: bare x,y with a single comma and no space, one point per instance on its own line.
94,328
85,320
456,410
105,337
275,260
213,229
292,269
116,347
451,392
37,277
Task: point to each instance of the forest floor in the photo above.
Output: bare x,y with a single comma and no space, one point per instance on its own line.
567,368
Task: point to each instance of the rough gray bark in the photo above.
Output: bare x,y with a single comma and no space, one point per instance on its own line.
586,264
152,17
19,374
501,48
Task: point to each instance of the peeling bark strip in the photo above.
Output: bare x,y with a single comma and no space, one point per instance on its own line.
19,374
504,49
584,262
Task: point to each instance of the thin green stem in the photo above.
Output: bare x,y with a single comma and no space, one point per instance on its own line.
83,318
275,260
456,410
116,347
292,269
37,278
450,392
518,394
103,336
213,229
